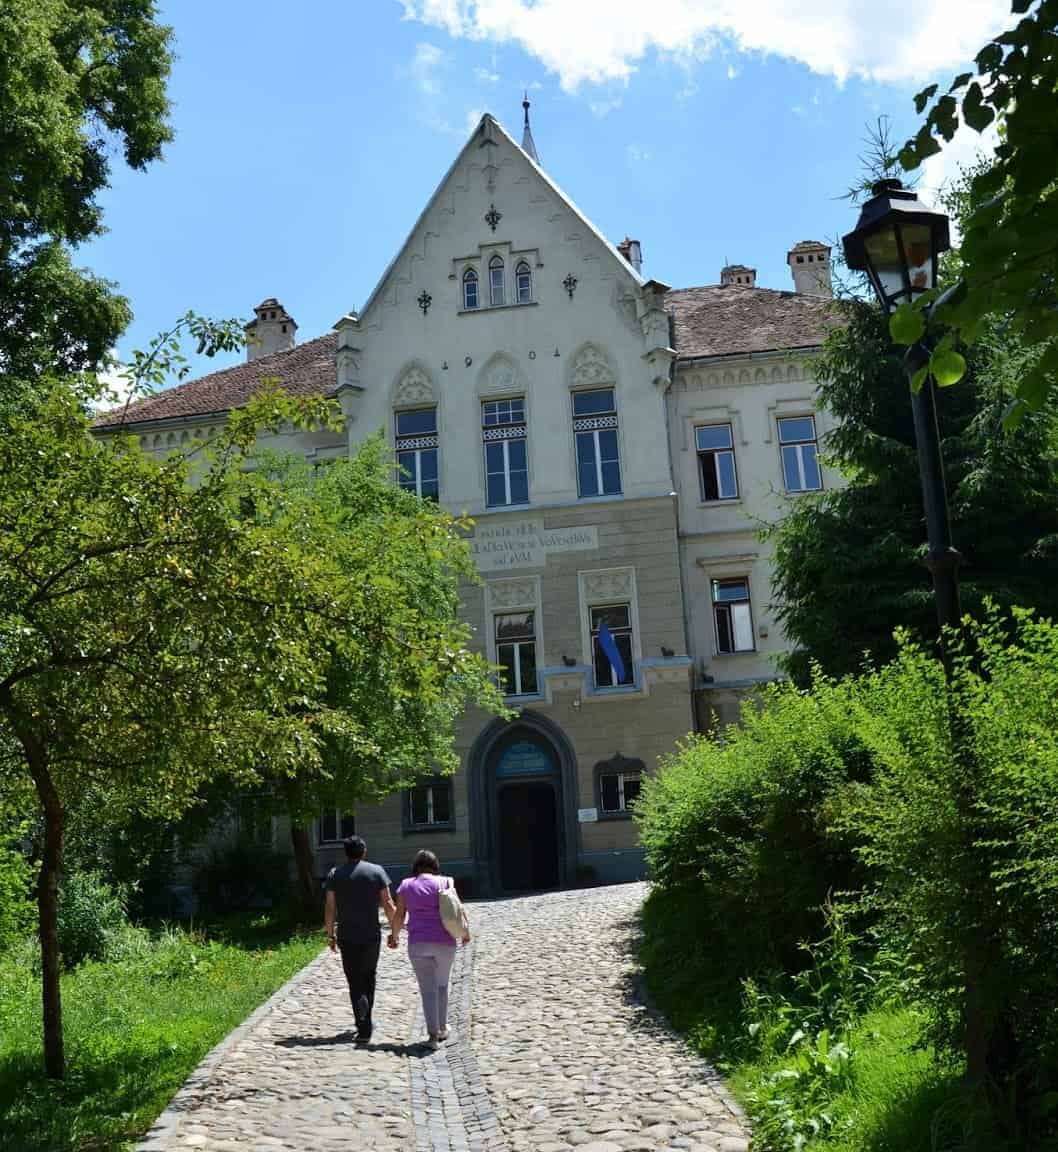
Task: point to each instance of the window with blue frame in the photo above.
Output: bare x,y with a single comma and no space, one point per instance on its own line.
504,432
595,431
716,461
800,456
416,443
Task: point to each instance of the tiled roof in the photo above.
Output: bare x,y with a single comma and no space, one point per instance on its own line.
303,370
732,319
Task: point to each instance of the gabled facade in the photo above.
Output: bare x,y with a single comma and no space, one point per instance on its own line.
615,443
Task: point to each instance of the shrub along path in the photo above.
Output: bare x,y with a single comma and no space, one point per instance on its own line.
551,1050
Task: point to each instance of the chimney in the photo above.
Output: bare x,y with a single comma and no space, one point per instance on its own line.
809,262
738,274
271,331
632,251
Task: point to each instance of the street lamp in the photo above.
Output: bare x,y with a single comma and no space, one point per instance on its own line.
897,242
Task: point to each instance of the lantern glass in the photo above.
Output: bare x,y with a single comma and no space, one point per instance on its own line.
886,266
918,248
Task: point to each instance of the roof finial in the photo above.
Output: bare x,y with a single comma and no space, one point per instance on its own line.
527,134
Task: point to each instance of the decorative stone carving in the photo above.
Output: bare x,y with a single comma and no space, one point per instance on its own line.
591,367
609,585
512,593
499,375
414,388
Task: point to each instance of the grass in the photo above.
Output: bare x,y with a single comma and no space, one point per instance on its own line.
892,1090
135,1027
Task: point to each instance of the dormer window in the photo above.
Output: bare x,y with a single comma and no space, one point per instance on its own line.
524,280
470,288
496,297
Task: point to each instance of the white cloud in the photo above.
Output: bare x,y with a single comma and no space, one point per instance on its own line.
636,155
595,41
486,76
963,151
732,72
470,121
426,68
603,108
116,386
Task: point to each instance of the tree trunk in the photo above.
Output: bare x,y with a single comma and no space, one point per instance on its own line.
48,905
301,842
308,888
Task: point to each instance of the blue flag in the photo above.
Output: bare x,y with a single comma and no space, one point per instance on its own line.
609,647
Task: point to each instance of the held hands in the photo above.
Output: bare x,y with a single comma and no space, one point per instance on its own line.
391,941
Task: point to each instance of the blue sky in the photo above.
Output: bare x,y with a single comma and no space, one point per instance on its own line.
309,136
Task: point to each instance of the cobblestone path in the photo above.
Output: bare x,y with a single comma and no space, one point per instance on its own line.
551,1050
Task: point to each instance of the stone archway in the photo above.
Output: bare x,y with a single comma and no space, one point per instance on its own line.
526,765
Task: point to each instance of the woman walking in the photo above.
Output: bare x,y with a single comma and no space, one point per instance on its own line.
431,949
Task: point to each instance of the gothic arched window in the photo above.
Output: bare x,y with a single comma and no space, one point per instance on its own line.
496,281
470,288
523,278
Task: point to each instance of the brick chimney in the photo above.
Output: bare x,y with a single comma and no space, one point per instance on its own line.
809,262
738,274
632,251
272,330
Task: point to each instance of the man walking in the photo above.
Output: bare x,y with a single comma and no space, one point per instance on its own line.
355,890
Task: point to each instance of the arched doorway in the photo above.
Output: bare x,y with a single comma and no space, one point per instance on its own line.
522,779
526,777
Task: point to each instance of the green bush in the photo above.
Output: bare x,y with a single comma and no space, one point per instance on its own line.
242,876
959,830
935,811
92,916
744,823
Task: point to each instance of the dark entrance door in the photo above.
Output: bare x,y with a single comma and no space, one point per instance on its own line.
528,840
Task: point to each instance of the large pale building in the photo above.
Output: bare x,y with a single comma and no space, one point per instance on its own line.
617,442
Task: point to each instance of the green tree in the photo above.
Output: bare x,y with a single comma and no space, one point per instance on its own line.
392,706
849,562
151,636
79,80
1010,238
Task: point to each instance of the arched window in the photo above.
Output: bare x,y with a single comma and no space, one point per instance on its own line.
524,280
496,281
470,288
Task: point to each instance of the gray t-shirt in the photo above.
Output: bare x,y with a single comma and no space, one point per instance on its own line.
356,886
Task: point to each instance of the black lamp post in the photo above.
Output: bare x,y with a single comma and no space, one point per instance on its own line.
897,242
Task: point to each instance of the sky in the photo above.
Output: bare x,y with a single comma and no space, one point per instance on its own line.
308,137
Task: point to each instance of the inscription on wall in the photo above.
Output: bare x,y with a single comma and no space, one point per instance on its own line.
527,543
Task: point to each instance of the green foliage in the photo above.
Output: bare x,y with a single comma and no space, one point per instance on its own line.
936,812
743,822
80,81
91,917
959,838
16,885
241,876
1009,247
137,1026
849,562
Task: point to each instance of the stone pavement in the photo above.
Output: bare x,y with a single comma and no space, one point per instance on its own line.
551,1050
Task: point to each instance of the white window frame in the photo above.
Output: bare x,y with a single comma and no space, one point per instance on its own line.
412,825
504,433
623,809
497,287
339,815
713,454
517,645
600,588
725,606
629,631
470,276
522,269
417,444
799,446
591,426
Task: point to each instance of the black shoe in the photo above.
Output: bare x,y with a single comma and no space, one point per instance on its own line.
363,1037
362,1012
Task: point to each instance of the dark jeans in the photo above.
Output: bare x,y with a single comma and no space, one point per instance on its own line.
360,961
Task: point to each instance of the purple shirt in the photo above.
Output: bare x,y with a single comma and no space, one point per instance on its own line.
424,917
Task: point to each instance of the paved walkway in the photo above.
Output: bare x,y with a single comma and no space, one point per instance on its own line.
551,1050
